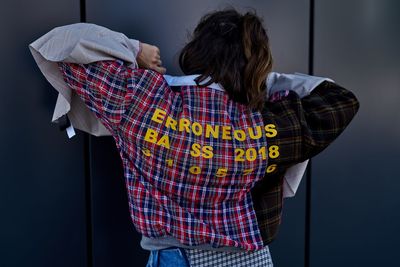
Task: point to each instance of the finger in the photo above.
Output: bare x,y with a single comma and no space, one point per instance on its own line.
158,62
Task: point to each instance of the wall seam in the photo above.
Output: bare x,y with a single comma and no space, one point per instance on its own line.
87,148
307,231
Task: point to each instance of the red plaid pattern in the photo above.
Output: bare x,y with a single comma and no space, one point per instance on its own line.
190,157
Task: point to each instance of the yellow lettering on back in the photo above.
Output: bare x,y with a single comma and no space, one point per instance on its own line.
270,130
212,131
184,125
146,152
171,123
247,171
158,115
271,168
195,152
221,172
164,141
252,135
169,162
207,152
197,128
226,133
195,170
151,136
239,135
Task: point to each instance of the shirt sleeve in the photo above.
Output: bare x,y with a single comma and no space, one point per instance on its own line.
109,88
102,86
300,128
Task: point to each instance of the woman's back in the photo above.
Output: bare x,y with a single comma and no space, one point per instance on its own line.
190,157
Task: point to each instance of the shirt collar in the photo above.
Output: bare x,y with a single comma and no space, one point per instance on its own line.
189,80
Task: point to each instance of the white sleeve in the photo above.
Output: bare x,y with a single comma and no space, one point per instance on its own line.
79,43
301,83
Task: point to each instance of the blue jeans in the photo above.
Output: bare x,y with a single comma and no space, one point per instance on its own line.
174,257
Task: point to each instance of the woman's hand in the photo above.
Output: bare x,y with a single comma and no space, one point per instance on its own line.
149,58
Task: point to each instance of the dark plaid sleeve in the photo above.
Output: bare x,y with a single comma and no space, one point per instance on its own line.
306,126
303,128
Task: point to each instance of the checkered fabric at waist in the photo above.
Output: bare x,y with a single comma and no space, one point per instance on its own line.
208,258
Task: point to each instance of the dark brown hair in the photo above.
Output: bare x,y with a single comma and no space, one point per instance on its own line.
233,50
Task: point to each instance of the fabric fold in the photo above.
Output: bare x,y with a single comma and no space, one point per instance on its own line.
79,43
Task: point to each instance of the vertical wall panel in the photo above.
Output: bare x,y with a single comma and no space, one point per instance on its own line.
356,203
116,243
166,24
41,178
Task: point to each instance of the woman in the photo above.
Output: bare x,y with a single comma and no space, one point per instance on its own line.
194,147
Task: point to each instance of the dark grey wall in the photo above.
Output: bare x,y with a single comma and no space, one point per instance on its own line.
115,241
355,216
41,180
44,213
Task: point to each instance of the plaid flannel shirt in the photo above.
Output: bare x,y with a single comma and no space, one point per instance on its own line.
191,157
